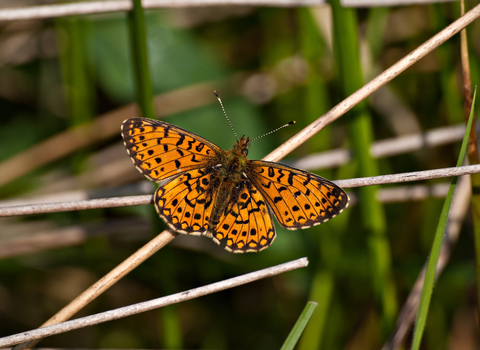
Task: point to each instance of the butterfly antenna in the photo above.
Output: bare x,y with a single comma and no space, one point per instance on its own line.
271,132
226,116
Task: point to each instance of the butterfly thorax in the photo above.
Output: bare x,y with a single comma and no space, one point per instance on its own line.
235,162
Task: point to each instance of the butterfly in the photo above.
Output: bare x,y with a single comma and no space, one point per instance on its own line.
222,194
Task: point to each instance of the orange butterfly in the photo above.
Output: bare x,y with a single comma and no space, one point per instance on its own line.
222,194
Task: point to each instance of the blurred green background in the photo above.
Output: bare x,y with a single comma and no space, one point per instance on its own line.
270,66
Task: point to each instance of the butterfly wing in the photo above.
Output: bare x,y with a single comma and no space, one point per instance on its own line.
246,223
160,150
186,201
298,199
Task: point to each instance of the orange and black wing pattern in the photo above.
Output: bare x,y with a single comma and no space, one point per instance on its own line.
223,195
186,202
160,150
246,224
298,199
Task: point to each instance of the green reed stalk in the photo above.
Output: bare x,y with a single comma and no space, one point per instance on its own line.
138,42
299,326
170,322
327,237
75,75
74,70
429,281
348,61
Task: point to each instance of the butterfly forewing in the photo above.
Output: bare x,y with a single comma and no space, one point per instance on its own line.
247,224
161,150
299,199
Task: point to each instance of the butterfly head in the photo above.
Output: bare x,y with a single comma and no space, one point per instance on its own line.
236,160
242,146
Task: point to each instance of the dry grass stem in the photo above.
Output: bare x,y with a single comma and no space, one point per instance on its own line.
369,88
30,336
316,161
468,94
333,158
113,202
383,148
407,177
93,7
102,284
140,228
467,83
458,211
148,199
135,188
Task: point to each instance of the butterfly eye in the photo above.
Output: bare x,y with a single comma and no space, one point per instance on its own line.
245,151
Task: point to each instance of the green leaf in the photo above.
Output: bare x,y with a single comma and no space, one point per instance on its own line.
300,325
429,281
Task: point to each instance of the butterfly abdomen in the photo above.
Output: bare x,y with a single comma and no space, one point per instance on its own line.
230,179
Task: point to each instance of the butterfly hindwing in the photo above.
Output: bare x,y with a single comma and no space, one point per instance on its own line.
186,202
298,199
246,224
161,150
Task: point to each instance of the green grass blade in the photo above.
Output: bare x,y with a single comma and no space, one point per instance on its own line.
299,326
170,322
76,78
347,57
74,70
323,287
138,46
429,281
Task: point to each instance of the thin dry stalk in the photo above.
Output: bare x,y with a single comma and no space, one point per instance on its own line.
407,177
148,199
93,7
77,234
113,202
456,216
152,304
467,83
468,95
369,88
102,284
383,148
135,188
336,157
